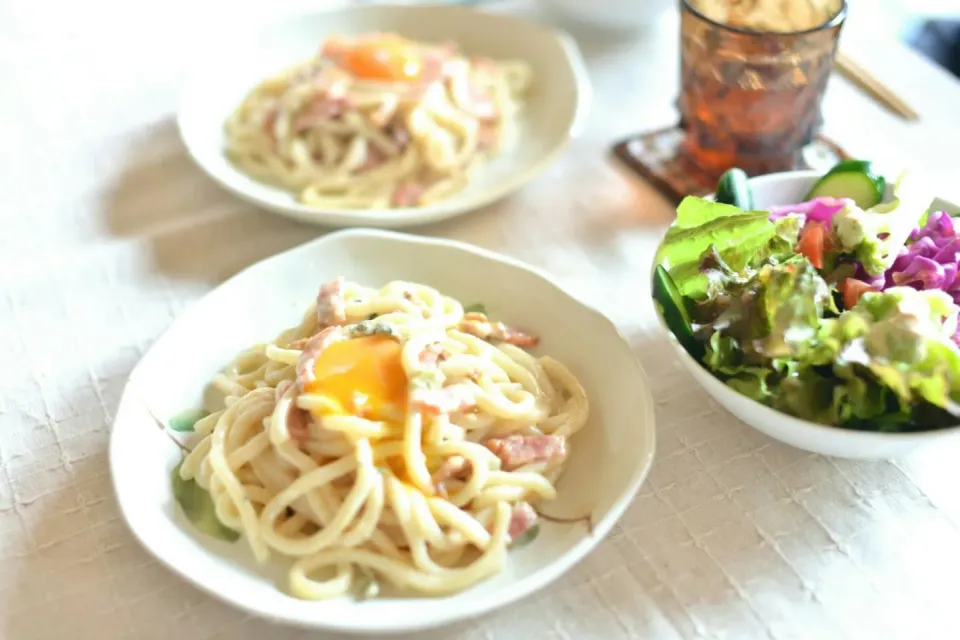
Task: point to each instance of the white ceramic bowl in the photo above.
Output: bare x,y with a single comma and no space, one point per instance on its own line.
555,110
614,15
609,460
786,188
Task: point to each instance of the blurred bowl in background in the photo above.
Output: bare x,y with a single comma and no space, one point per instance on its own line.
616,15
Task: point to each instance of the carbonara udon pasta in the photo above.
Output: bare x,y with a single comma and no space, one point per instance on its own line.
390,437
377,122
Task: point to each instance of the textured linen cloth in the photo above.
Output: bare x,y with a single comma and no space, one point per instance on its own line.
108,231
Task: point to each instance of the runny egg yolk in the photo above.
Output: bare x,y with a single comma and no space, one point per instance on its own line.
364,376
386,58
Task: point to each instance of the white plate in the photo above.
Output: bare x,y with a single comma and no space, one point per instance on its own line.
555,110
787,188
609,460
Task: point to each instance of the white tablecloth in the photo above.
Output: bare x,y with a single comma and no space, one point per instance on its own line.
108,231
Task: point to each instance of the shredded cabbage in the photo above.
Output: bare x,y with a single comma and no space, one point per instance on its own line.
818,209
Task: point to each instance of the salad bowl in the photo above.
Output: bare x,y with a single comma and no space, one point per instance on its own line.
863,441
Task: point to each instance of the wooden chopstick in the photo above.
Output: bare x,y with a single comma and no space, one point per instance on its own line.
877,90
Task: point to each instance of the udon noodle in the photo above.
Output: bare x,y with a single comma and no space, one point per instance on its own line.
377,122
389,437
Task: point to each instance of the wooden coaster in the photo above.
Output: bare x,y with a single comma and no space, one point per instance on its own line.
656,157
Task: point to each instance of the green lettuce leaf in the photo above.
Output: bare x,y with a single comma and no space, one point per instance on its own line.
185,420
198,506
694,212
738,236
775,313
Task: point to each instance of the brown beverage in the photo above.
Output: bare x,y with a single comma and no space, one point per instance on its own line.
753,73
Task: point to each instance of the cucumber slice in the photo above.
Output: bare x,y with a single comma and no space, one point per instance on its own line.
852,179
676,311
733,188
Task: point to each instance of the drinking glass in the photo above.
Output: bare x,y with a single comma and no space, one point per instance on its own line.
751,99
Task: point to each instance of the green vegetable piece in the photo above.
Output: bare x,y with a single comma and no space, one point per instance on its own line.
738,236
854,179
476,307
198,506
733,188
526,537
876,235
675,310
366,585
185,420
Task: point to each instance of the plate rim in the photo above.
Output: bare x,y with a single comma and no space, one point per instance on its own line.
473,608
582,100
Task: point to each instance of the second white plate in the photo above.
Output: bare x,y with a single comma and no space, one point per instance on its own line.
555,109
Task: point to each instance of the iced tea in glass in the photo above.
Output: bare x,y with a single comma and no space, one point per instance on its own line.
751,87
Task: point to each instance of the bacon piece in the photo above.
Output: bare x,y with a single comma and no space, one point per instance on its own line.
481,105
331,99
324,108
298,420
375,158
432,66
522,518
454,467
517,451
334,47
298,423
407,195
432,354
311,351
383,114
477,324
282,388
400,135
269,120
487,135
331,307
298,344
456,397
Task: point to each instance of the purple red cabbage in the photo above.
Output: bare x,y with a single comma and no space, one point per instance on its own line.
819,209
930,261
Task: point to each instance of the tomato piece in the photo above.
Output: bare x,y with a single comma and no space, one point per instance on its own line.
852,289
812,243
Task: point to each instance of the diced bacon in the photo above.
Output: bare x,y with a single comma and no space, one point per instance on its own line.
298,344
432,354
407,195
487,135
477,324
483,65
298,424
454,467
375,158
324,108
298,420
331,307
522,518
334,47
456,397
311,350
282,388
517,451
400,135
269,120
384,113
481,104
431,67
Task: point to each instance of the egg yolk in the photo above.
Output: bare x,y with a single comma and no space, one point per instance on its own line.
385,58
364,376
